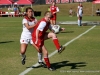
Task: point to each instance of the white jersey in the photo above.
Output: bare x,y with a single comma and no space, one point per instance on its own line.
26,33
80,10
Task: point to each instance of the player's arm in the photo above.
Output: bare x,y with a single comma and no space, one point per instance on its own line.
37,33
78,10
62,29
27,25
40,28
57,10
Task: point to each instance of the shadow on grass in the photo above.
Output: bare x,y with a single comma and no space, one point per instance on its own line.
67,32
66,63
6,42
58,65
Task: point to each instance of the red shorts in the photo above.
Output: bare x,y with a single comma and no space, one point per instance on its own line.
54,17
40,42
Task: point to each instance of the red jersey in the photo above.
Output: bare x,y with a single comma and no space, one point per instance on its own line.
44,27
53,9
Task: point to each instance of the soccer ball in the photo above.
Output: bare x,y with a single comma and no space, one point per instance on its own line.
56,28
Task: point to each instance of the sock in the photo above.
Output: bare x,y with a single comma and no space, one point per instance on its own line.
78,22
23,55
46,59
40,57
56,42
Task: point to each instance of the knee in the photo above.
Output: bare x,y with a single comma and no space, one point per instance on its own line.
22,51
45,53
54,35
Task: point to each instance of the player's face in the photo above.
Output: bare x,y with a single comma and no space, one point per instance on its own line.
30,13
53,4
48,18
80,4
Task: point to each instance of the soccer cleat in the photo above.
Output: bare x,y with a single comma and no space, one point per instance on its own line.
23,60
61,49
43,64
51,69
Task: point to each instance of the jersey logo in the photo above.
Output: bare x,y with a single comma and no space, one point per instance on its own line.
23,41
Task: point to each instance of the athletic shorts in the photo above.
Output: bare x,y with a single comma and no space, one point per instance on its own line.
40,42
26,41
53,17
79,15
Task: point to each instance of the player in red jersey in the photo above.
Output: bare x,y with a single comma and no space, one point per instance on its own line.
54,9
39,35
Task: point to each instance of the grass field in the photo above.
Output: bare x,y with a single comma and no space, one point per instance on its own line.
81,57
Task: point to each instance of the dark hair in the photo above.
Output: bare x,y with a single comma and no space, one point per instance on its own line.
28,9
53,2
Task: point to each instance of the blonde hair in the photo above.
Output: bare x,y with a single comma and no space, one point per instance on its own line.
48,13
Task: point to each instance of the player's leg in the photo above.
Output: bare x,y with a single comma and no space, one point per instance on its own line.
54,20
22,52
55,41
78,21
39,55
81,20
51,21
46,59
39,51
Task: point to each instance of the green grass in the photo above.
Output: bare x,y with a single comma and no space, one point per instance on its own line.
80,57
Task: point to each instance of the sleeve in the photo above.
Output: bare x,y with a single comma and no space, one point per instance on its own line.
57,9
24,21
50,27
41,26
78,7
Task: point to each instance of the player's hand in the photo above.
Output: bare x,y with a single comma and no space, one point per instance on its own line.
52,30
62,29
54,12
36,41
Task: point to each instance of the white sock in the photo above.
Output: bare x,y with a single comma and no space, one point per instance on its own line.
40,57
79,22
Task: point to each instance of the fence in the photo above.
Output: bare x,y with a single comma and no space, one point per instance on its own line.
59,1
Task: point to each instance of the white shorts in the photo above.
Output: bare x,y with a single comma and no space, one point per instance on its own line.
26,41
79,15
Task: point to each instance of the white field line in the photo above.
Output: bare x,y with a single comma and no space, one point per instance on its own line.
53,53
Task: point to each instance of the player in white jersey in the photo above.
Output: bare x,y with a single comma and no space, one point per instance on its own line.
28,25
79,14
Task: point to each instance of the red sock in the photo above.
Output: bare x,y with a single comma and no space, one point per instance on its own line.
56,42
47,62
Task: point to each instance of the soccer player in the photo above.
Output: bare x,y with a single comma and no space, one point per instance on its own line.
79,14
54,10
39,35
70,12
28,24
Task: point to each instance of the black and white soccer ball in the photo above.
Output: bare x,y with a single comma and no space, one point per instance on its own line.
56,28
